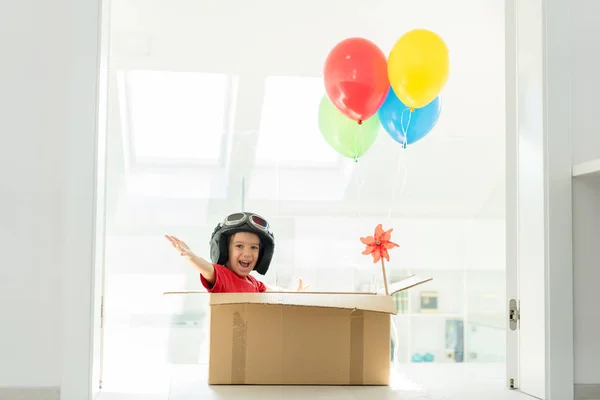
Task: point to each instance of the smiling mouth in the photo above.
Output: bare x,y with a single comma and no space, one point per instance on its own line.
244,264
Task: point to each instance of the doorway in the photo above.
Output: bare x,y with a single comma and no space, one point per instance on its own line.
238,132
201,128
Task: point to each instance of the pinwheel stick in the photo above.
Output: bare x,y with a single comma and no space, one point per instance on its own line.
384,277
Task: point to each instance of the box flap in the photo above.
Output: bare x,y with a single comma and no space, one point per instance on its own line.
360,301
405,284
365,302
202,291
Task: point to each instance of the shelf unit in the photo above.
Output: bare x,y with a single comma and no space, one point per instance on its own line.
588,168
461,297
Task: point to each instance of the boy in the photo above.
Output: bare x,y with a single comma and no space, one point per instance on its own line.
243,242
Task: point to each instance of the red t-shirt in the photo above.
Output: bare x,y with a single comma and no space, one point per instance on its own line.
226,281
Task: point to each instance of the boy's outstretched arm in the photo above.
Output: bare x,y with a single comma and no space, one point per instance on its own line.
206,269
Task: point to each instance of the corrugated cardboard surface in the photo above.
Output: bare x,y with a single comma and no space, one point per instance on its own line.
253,343
365,302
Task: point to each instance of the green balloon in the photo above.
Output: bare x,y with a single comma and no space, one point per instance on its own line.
345,135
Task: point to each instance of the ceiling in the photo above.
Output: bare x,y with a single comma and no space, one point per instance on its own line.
213,106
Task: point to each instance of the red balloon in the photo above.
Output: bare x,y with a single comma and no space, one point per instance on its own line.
356,78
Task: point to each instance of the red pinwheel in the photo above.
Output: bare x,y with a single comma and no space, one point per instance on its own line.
378,246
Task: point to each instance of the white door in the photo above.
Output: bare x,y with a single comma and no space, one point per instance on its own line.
530,208
539,266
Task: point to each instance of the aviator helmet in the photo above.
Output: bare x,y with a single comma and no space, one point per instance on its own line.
243,222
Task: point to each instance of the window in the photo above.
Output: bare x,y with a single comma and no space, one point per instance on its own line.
291,148
175,117
289,131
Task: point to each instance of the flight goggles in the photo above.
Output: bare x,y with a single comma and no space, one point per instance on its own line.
239,218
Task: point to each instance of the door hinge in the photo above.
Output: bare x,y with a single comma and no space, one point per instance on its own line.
511,383
514,315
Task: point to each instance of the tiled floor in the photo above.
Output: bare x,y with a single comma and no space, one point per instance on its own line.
412,382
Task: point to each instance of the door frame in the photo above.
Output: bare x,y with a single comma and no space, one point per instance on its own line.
83,257
555,177
82,266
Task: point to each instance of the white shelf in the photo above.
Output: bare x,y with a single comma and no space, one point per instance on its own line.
588,168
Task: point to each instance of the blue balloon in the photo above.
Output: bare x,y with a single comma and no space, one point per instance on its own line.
396,118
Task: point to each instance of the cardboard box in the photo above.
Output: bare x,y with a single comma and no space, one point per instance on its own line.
301,338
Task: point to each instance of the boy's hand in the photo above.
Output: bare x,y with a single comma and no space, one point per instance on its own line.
301,287
181,247
206,269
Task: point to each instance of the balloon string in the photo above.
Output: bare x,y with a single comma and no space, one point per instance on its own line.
362,144
358,174
405,158
405,129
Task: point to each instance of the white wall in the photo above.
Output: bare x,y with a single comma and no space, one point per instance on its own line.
33,80
585,85
48,102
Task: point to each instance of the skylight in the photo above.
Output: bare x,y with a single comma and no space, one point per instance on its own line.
289,132
176,117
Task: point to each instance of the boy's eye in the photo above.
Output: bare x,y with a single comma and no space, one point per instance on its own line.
254,247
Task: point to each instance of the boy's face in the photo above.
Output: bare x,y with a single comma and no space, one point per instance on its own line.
243,252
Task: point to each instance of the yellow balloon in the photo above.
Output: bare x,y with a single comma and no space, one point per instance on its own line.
418,67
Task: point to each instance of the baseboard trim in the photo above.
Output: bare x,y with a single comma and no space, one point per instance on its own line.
582,392
587,391
29,393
